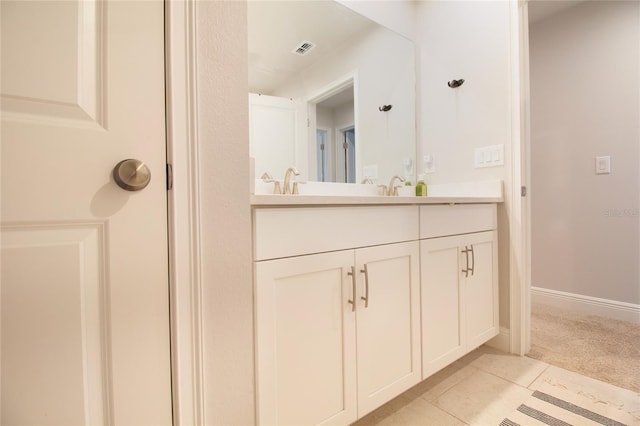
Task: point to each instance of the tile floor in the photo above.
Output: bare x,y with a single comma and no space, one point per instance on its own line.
485,386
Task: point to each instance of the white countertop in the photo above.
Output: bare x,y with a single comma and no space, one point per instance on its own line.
350,194
346,200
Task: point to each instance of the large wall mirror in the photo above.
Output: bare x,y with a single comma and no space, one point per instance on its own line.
331,92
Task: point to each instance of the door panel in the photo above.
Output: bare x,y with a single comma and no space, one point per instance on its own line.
60,80
305,338
443,330
388,328
482,290
85,321
53,314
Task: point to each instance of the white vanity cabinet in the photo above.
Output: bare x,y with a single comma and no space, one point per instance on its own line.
305,339
337,311
459,278
387,322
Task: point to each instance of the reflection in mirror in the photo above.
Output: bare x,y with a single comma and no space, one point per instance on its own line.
335,135
322,78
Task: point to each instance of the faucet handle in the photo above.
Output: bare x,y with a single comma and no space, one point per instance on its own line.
384,189
295,187
267,178
395,190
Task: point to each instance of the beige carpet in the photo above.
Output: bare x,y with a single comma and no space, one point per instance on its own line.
602,348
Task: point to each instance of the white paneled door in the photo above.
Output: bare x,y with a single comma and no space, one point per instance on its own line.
84,290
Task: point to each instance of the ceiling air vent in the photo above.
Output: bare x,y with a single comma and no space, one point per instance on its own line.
303,48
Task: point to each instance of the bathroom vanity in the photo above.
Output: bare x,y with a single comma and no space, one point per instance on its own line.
358,298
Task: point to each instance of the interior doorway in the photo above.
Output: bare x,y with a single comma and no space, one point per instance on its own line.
572,270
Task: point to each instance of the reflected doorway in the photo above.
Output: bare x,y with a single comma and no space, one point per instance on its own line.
333,127
346,160
322,148
336,137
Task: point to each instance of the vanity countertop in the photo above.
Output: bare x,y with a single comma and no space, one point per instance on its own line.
350,195
346,200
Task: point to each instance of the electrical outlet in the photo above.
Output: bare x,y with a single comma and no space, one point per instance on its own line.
429,162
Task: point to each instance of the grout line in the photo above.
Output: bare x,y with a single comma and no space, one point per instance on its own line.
476,370
506,380
538,376
433,404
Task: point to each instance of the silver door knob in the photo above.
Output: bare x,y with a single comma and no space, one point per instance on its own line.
132,175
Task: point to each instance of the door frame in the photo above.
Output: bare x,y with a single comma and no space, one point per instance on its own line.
525,161
518,177
185,290
211,286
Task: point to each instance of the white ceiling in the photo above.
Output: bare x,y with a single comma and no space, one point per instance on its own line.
276,27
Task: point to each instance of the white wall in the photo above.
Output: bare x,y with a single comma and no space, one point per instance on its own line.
227,299
338,117
469,40
585,102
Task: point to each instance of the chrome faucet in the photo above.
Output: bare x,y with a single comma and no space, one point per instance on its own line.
392,189
287,179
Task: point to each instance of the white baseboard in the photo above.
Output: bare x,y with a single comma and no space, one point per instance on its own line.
501,341
587,304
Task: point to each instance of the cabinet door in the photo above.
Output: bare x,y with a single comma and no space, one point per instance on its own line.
481,289
388,324
443,316
305,331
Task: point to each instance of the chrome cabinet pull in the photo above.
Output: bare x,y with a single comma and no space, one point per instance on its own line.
466,269
366,286
352,301
473,261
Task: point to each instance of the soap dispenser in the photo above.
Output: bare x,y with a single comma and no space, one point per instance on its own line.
421,187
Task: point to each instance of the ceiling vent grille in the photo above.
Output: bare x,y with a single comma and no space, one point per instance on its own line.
303,48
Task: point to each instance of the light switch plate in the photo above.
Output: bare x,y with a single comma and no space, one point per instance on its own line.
489,156
603,165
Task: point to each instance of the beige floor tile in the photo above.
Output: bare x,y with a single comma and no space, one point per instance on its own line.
595,390
409,410
482,399
519,370
442,381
